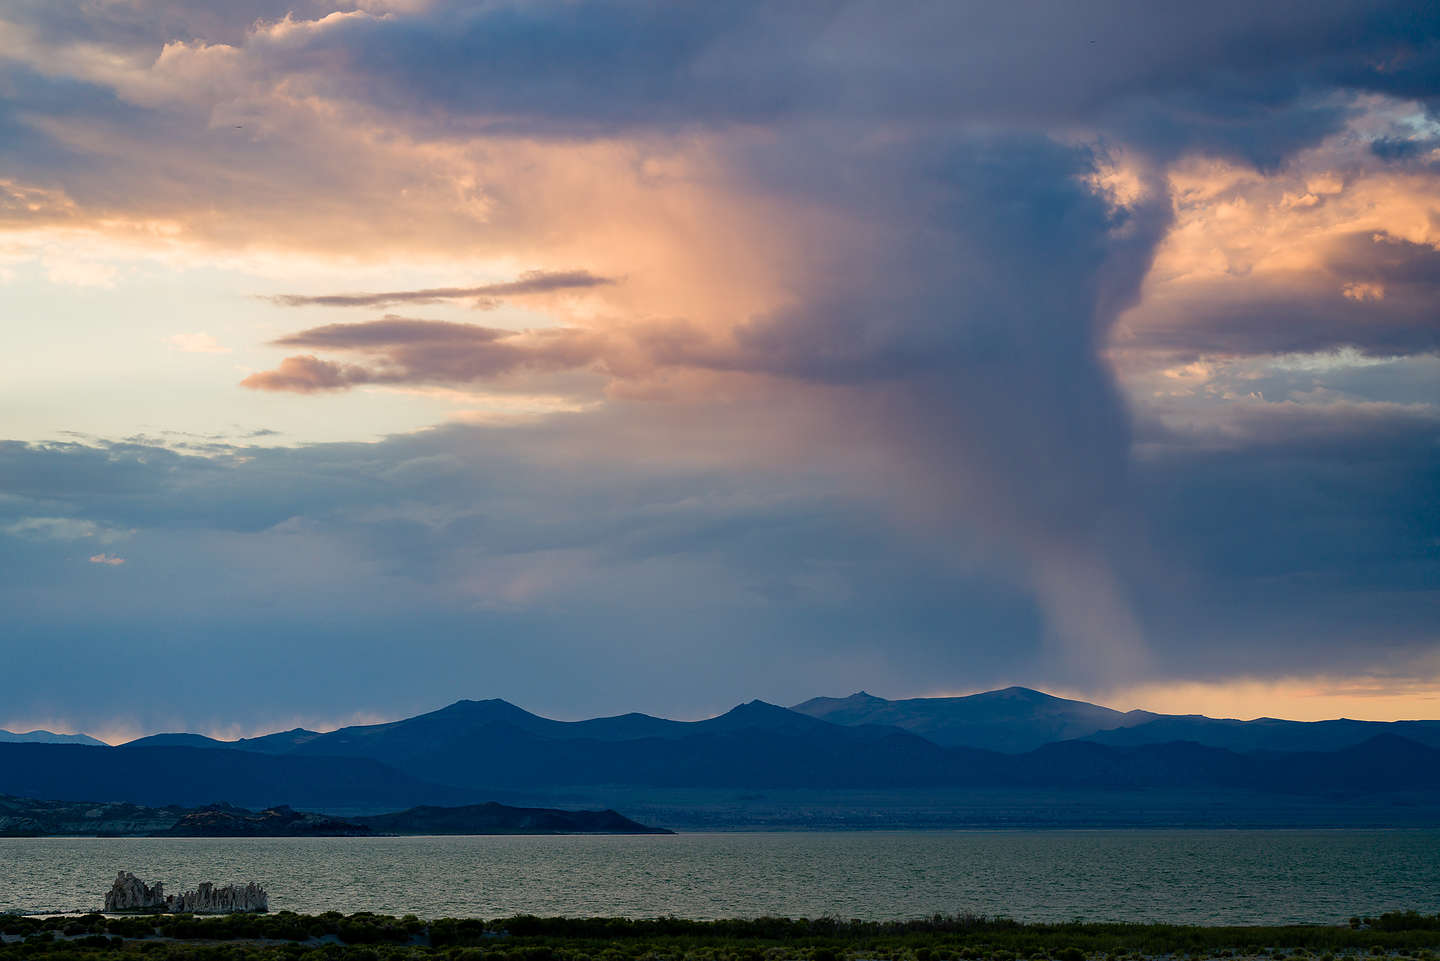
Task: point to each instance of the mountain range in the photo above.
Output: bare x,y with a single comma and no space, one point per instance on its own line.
1012,739
1012,720
47,737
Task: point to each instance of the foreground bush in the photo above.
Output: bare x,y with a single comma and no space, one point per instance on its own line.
285,936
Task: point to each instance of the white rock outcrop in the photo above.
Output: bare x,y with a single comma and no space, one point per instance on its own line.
129,893
208,899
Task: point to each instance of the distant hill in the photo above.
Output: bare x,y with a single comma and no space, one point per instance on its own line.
1012,720
1017,719
228,821
477,750
48,737
488,744
1385,764
26,817
1266,733
462,721
492,818
279,743
177,740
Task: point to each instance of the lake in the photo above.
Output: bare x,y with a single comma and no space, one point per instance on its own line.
1198,876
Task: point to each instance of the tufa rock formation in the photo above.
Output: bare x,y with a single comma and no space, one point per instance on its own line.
209,899
129,893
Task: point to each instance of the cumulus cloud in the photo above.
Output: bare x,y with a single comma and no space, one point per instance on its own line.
109,560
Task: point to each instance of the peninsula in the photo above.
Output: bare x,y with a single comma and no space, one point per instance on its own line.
28,817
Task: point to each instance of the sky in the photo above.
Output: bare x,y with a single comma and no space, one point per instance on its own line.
365,355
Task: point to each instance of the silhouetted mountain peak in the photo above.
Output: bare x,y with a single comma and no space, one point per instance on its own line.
488,710
487,704
1018,693
758,712
759,716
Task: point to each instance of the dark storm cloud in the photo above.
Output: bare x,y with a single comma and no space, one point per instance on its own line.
147,23
1302,533
535,282
1238,79
1403,149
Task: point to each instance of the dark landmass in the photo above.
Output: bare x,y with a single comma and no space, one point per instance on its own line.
226,821
283,936
278,743
47,737
1016,720
25,817
493,818
493,745
473,751
1268,733
1012,721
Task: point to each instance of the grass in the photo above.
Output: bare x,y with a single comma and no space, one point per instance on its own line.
370,937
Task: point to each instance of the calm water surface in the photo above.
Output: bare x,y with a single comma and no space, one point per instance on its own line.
1205,877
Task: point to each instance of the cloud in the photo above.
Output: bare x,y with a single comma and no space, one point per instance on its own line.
306,374
393,331
198,342
1369,291
424,351
892,357
510,547
928,339
534,282
63,529
109,560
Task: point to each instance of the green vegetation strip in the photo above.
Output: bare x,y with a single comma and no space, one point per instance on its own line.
371,937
